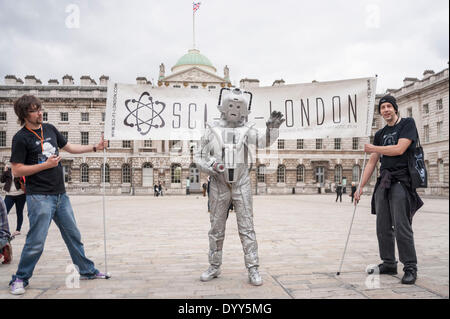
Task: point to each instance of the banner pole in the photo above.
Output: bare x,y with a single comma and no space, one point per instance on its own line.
353,217
104,210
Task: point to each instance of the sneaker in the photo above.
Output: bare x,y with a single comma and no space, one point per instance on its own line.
99,275
7,254
211,273
383,269
17,287
410,276
254,277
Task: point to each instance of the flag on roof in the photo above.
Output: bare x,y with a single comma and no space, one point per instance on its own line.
196,6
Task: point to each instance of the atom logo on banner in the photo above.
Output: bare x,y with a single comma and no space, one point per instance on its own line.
144,113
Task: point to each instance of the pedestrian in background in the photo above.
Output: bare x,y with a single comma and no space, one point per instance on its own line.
353,191
339,192
5,236
15,195
204,187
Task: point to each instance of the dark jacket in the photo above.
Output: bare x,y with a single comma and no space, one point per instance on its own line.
7,179
387,178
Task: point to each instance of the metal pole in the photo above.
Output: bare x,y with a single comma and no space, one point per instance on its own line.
104,210
353,217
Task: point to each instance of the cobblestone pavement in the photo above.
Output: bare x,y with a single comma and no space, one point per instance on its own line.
157,248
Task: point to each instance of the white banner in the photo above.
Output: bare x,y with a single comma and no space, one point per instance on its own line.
313,110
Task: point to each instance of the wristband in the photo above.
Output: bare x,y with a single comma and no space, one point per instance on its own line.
95,149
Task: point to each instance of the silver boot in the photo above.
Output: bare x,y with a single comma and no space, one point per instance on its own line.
211,273
254,277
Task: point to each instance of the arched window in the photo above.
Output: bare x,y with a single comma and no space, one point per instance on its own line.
281,174
147,175
338,174
84,170
175,173
126,173
105,174
261,173
355,173
301,173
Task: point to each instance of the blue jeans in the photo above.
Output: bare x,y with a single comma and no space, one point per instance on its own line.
41,210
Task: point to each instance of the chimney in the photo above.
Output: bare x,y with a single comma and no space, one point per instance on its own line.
142,80
67,80
10,80
104,80
248,83
427,73
30,80
408,81
85,80
278,82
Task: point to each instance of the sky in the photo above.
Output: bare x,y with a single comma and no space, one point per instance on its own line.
294,40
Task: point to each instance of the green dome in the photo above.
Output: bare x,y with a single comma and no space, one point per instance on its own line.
193,57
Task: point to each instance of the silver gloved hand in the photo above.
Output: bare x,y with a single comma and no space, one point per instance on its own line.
275,120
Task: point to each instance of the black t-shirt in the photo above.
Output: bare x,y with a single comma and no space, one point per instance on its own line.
27,149
389,135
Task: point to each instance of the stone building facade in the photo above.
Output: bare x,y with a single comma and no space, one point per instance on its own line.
133,167
426,100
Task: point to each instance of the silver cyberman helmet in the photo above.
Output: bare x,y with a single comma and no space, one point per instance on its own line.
234,104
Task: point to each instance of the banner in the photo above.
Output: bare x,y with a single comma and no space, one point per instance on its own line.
313,110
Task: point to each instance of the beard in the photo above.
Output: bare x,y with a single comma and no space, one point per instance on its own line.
36,121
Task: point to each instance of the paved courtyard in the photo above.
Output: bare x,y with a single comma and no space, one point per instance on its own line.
157,248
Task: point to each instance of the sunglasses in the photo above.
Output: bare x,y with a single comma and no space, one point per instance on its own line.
36,110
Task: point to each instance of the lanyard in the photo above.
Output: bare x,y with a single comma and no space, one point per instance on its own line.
41,138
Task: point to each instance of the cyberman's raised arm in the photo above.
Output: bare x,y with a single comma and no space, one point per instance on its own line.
272,131
263,139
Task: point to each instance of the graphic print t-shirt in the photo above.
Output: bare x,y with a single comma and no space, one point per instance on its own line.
27,149
389,135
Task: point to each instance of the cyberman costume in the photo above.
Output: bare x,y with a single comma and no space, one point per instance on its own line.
224,156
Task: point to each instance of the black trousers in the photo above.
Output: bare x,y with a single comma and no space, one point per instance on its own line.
19,201
393,224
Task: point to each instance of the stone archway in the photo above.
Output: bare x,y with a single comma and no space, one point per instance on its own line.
147,175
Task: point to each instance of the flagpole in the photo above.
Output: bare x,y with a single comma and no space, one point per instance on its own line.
193,28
